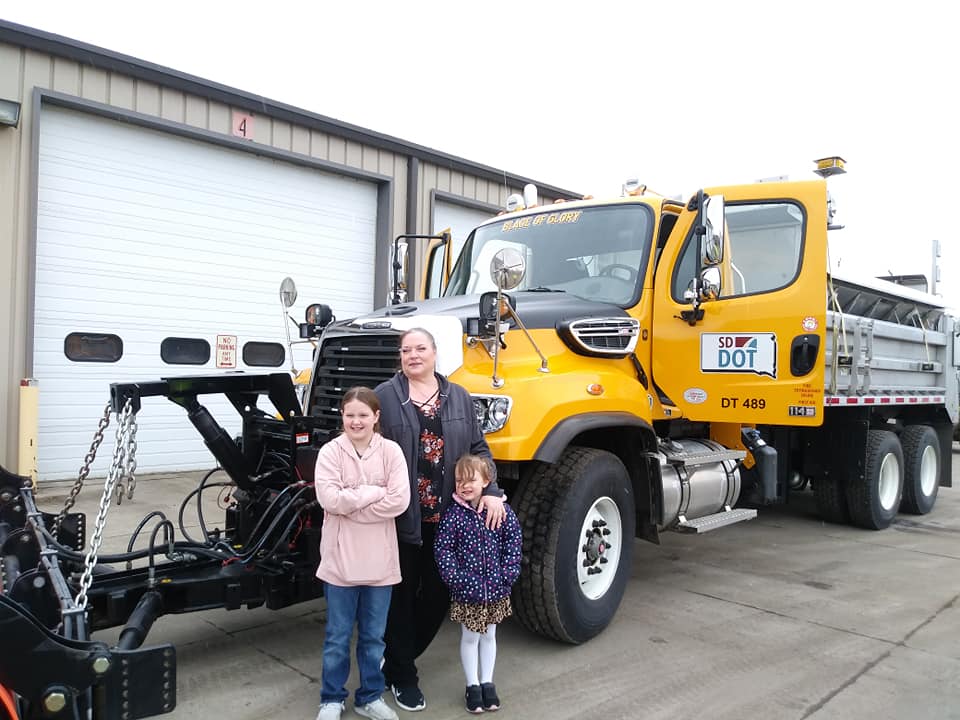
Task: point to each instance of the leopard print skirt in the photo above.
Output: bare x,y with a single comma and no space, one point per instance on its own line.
476,617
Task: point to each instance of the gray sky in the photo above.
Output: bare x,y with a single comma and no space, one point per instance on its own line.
583,95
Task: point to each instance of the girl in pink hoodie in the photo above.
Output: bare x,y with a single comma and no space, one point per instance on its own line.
362,485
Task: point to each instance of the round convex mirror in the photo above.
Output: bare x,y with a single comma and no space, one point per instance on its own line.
507,268
288,292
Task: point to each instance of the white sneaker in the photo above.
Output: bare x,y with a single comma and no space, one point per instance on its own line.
330,711
376,710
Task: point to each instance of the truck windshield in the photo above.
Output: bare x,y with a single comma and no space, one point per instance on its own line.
597,253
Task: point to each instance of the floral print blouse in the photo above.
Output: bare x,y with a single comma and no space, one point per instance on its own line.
430,461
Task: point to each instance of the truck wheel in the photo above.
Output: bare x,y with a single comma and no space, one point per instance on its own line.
831,500
873,499
579,523
921,462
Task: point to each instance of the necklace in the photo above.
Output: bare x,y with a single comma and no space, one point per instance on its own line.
429,401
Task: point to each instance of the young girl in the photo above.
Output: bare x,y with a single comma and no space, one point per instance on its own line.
479,565
362,485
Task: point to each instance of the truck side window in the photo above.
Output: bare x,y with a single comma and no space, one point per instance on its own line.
764,247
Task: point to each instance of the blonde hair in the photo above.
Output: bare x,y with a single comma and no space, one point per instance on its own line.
468,464
423,331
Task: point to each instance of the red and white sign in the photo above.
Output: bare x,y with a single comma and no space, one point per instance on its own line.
242,125
226,351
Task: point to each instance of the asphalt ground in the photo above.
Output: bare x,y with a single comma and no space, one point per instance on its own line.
781,617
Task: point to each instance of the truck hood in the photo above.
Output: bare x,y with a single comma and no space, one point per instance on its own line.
537,310
446,319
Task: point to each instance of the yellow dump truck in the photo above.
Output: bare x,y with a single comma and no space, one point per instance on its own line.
643,364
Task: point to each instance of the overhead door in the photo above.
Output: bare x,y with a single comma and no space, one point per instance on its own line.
171,247
461,220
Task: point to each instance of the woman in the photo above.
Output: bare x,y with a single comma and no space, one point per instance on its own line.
433,421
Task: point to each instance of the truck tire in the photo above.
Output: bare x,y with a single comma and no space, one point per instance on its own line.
921,463
565,510
874,499
831,499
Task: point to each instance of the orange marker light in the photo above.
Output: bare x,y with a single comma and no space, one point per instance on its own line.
595,389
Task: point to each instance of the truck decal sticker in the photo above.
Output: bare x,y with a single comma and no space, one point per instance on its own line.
751,403
754,353
695,395
557,218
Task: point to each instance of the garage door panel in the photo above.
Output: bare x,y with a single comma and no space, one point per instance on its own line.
92,228
461,220
148,236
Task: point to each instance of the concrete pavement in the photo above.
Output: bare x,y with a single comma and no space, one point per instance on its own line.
781,617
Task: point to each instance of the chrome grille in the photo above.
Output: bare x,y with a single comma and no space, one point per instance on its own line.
350,360
614,336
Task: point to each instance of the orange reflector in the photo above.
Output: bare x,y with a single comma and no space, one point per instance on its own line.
595,389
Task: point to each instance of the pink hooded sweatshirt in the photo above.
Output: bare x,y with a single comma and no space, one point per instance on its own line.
360,497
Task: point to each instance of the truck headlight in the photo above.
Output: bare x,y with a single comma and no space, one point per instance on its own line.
492,411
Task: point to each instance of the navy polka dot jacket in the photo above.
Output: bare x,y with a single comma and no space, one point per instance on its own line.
477,564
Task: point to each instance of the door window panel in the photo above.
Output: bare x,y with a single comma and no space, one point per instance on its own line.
764,246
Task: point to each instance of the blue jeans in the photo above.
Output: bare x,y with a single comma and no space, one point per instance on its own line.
366,608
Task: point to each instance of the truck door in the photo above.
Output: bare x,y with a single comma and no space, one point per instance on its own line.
438,261
740,306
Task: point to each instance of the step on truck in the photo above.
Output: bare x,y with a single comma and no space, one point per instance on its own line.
642,365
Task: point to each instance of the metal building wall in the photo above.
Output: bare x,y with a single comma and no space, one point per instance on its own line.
18,71
22,71
491,192
75,70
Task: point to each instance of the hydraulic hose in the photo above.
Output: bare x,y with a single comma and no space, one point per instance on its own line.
146,612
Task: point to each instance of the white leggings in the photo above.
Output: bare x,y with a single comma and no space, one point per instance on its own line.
478,653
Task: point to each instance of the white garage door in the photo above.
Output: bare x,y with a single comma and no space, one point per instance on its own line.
460,219
147,237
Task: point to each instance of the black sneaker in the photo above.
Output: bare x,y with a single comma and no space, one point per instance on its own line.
409,698
490,700
474,699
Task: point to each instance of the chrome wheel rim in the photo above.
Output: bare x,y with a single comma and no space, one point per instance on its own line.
600,542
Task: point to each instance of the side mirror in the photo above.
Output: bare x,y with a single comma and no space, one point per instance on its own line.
317,317
713,224
488,306
507,269
288,296
288,292
399,272
710,283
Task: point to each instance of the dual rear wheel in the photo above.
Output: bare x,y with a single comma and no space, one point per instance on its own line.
901,474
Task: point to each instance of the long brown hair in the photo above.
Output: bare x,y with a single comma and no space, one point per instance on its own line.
365,395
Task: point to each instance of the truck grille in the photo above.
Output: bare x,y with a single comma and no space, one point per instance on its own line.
613,336
350,360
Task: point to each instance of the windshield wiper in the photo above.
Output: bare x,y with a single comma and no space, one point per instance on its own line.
541,288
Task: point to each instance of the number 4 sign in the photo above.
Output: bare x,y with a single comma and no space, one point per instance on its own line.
242,125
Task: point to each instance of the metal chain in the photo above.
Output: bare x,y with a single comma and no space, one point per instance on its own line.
85,470
128,479
116,469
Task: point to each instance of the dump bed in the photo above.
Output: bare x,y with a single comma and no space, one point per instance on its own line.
888,344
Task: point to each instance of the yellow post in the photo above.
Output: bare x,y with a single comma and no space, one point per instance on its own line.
29,413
